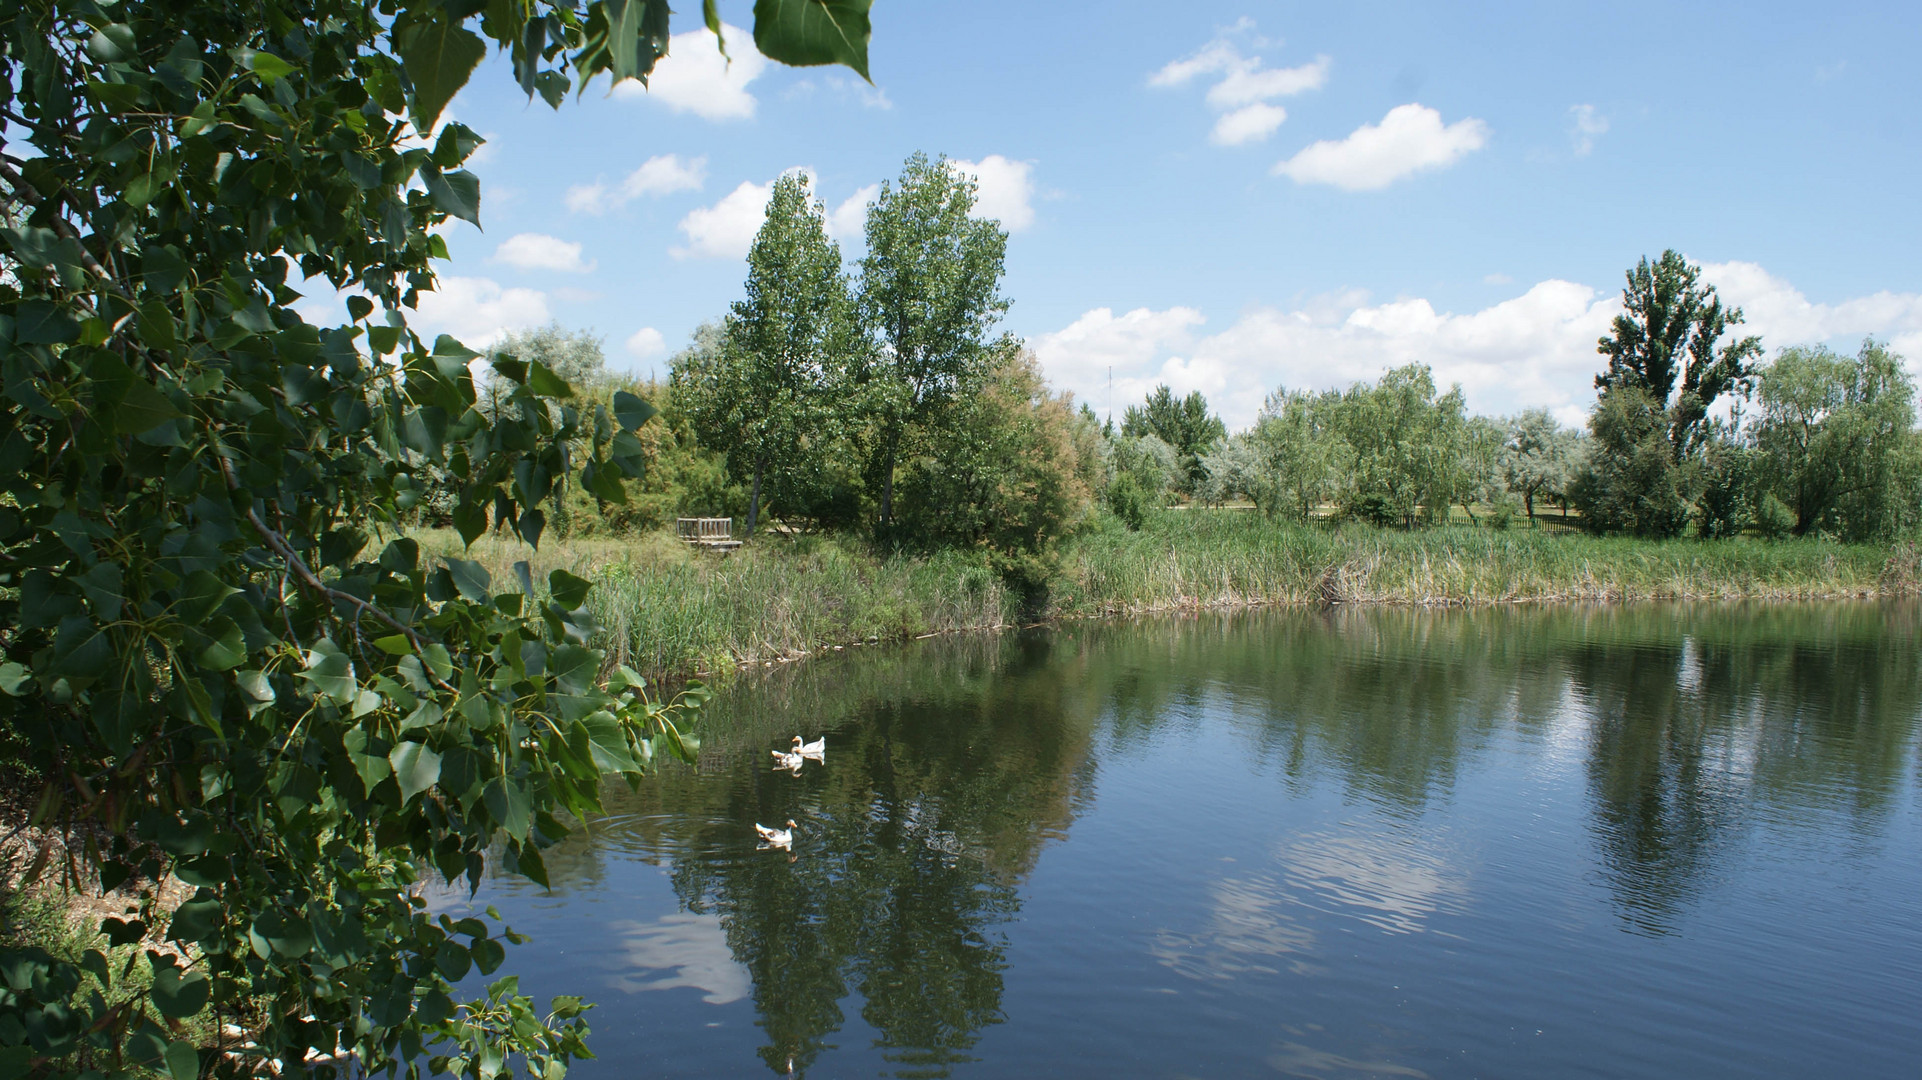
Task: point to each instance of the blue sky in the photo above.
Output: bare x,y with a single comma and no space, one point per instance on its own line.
1236,196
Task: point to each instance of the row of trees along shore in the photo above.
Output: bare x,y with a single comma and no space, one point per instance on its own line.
886,403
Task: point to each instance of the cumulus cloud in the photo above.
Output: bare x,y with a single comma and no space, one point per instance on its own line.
726,229
1585,125
1784,316
1533,350
477,311
1250,123
538,251
646,344
1243,88
663,174
1410,139
1005,190
848,220
694,77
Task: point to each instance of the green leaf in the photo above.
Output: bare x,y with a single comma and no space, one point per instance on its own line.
456,193
439,55
12,678
711,15
456,142
228,649
568,591
269,67
113,44
607,740
542,380
281,934
488,955
452,960
510,804
809,32
637,36
632,410
394,645
183,1059
416,768
331,672
180,994
472,579
38,322
195,921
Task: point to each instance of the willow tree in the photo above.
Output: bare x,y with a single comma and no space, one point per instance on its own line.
930,294
218,653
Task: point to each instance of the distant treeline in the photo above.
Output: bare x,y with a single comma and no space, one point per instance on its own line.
884,402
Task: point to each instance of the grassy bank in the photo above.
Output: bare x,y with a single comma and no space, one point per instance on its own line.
667,609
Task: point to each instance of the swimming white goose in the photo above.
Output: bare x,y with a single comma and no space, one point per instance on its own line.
775,838
818,749
785,760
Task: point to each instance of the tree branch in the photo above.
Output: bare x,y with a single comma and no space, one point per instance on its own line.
298,566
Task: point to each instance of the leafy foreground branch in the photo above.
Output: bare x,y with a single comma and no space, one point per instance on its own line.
222,662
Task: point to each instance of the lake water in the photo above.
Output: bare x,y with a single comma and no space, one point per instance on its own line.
1567,842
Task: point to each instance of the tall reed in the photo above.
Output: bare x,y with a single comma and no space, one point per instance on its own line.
667,609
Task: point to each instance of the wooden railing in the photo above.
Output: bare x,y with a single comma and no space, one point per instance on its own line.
709,532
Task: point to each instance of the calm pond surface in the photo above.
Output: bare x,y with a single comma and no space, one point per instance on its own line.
1570,842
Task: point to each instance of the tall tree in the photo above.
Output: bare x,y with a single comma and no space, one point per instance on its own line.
783,352
930,294
219,654
1668,334
1184,423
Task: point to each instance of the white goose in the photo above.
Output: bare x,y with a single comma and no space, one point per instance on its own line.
776,838
785,760
818,749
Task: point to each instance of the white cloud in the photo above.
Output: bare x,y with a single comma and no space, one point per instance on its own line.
663,174
694,76
538,251
1250,123
1585,125
726,229
1243,88
847,221
1409,139
477,311
1005,190
1784,316
646,343
1536,349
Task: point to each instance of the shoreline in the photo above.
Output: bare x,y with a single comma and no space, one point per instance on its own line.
673,614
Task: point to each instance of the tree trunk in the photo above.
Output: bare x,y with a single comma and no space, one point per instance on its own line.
754,499
1528,500
887,490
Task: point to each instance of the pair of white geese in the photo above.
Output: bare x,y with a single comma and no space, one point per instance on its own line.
791,760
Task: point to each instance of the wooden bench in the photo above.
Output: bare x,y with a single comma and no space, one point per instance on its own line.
715,534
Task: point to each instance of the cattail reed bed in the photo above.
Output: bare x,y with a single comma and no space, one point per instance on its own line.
668,610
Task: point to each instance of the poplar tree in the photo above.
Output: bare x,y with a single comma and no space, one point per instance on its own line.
773,384
929,297
221,659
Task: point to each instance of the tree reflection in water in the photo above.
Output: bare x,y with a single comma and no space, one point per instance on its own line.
951,765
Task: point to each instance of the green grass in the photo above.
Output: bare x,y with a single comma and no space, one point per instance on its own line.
666,609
